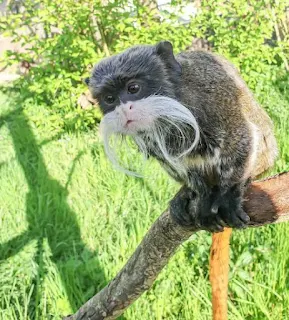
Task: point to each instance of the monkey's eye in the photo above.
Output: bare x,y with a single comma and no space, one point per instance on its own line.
109,99
133,88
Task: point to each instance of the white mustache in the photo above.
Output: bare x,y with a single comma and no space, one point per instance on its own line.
152,114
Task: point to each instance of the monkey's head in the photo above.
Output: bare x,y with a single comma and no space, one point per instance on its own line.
138,92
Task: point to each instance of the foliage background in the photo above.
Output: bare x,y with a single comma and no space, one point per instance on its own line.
63,41
68,220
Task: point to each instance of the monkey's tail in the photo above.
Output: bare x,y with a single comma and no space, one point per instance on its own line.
219,273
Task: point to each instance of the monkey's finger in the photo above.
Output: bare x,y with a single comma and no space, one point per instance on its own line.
236,221
215,228
220,221
215,208
236,224
210,224
216,204
243,216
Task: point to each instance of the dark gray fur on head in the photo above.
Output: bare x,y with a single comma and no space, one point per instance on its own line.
154,65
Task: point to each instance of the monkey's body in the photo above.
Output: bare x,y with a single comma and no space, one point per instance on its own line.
231,120
236,137
193,113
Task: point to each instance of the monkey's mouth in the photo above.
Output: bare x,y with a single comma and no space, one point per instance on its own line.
128,122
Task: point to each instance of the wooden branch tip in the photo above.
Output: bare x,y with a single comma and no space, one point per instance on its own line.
266,202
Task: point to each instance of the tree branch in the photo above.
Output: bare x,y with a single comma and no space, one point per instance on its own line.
266,202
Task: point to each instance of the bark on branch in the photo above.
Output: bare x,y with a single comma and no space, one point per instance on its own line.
266,202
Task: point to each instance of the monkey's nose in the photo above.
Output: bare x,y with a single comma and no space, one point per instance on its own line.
127,109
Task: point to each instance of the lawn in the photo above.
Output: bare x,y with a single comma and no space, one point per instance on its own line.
69,222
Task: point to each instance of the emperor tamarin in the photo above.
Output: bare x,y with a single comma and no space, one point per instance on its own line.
192,112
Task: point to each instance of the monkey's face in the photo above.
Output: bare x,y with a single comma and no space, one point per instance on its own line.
120,84
124,103
137,92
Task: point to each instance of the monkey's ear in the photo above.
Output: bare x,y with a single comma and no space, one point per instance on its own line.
165,50
86,81
164,47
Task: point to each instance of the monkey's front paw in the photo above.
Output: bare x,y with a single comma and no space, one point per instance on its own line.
209,219
236,218
193,211
228,209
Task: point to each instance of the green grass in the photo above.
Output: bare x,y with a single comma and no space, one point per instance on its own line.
69,222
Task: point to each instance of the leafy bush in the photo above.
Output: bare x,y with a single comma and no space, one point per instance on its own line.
245,32
64,40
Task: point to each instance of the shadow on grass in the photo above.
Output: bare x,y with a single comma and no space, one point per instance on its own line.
50,219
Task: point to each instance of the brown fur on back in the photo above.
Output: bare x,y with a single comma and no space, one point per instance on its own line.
267,149
230,106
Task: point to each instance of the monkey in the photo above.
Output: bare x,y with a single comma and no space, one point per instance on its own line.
194,113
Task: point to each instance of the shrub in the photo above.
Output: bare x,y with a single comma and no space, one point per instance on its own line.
245,32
